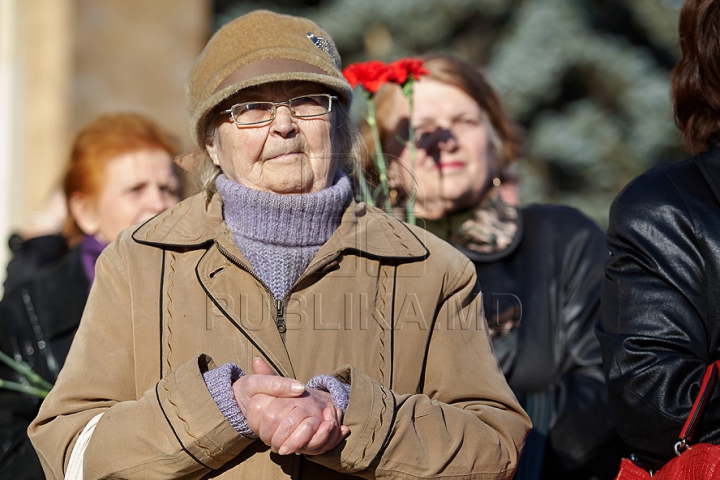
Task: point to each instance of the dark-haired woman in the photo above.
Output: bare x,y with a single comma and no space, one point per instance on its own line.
660,322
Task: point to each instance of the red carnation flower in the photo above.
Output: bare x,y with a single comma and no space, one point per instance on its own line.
401,69
370,75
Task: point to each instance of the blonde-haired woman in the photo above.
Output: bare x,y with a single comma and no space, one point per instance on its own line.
539,267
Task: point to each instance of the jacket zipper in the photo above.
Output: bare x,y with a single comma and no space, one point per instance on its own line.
280,317
280,323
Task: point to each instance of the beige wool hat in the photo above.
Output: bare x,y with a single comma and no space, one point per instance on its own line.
257,48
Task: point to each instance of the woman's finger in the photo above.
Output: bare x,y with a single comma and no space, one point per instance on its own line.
301,435
261,367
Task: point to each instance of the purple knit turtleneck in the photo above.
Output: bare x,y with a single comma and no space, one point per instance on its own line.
280,234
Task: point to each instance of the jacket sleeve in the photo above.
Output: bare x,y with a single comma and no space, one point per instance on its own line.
583,425
465,423
17,456
173,430
652,332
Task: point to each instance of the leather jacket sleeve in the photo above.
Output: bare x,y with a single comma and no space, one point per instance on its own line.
655,334
584,421
552,360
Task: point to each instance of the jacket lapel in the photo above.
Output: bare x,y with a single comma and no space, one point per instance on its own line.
191,223
709,165
379,236
248,307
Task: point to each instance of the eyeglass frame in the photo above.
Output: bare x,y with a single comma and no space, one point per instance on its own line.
275,106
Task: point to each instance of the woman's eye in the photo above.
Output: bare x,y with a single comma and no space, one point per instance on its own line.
468,121
422,135
168,189
304,101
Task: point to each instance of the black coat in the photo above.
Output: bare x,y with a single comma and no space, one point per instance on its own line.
32,256
661,303
549,280
38,321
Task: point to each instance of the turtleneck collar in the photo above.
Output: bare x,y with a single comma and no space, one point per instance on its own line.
288,220
280,234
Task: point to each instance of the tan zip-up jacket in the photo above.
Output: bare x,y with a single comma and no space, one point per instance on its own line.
383,306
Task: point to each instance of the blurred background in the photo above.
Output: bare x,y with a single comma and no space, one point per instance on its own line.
587,79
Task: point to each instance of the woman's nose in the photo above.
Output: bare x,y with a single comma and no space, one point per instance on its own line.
448,140
284,122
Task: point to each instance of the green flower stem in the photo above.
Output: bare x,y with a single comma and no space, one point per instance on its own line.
378,157
24,369
27,389
367,196
407,89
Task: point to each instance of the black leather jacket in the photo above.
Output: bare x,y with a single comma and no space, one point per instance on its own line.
661,304
553,272
38,321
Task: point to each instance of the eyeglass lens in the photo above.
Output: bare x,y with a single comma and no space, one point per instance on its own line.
300,107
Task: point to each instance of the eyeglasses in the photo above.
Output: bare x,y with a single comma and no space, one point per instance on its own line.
256,113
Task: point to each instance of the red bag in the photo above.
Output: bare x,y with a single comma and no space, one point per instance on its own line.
699,462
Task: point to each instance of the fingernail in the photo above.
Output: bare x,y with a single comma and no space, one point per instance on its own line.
283,450
297,387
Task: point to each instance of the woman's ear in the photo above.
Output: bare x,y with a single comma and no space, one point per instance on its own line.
85,214
394,174
211,147
399,175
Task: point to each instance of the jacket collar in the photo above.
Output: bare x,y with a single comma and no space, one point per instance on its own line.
197,221
709,164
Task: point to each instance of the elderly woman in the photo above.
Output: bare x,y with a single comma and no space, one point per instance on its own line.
539,267
341,334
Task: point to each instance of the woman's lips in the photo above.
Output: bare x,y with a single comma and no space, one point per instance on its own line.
451,165
285,156
286,151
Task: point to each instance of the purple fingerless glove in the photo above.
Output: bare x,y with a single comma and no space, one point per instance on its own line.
219,382
339,391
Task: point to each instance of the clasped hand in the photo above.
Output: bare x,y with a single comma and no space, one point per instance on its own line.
286,416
